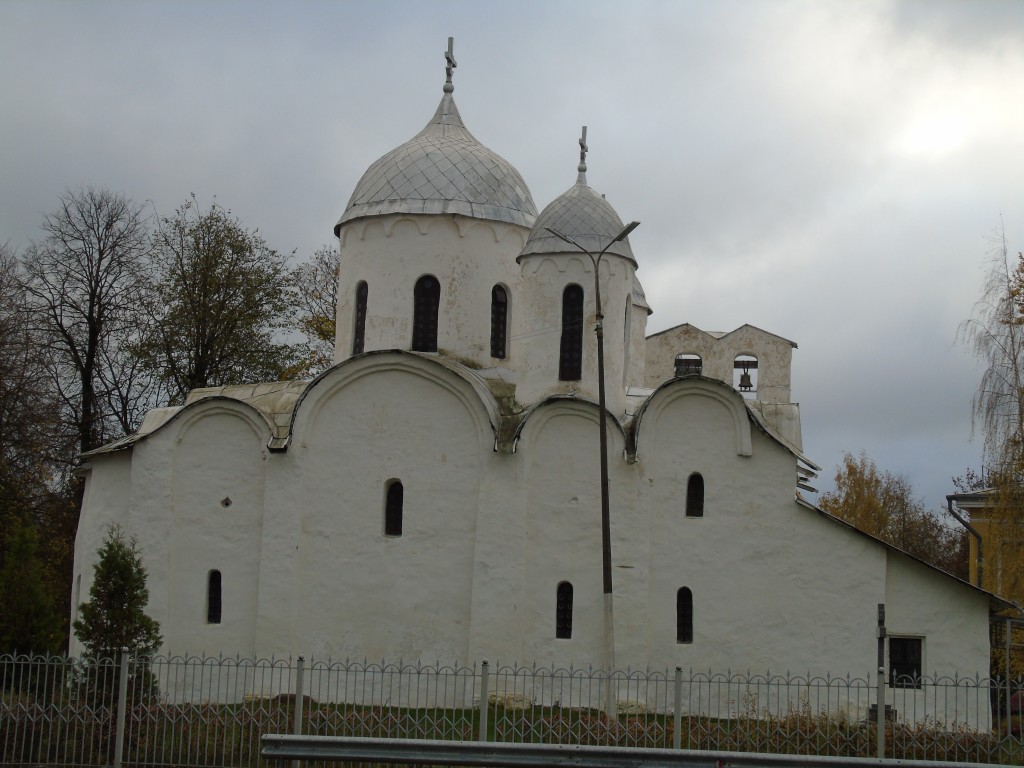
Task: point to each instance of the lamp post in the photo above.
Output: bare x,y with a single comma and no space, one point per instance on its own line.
606,536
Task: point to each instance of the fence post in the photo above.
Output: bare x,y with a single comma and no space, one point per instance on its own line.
677,710
122,704
880,691
297,726
1006,659
484,696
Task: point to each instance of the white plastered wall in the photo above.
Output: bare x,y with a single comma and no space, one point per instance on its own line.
487,536
390,253
356,588
538,327
216,524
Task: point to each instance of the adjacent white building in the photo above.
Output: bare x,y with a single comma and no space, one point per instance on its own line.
435,494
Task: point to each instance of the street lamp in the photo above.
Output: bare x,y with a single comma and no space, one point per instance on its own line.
606,538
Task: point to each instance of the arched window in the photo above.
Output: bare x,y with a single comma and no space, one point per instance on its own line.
689,365
359,326
426,298
563,610
695,496
393,508
684,615
570,353
499,321
213,598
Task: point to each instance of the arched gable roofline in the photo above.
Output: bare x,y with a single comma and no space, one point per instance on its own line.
185,415
467,387
217,405
546,408
697,386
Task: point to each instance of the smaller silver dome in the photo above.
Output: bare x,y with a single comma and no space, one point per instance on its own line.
582,214
443,169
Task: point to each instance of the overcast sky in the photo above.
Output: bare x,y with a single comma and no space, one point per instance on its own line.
833,172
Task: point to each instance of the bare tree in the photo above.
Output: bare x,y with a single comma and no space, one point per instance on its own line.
32,447
85,282
995,333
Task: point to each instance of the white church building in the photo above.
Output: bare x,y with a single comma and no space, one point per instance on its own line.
436,493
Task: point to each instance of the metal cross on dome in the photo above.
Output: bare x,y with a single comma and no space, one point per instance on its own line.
449,57
583,151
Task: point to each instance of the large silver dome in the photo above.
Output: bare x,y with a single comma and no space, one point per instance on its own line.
443,169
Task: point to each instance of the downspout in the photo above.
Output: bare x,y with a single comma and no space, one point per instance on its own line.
971,530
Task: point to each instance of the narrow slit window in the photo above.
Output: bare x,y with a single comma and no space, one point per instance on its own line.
684,615
499,321
359,326
570,353
213,598
695,495
393,503
563,611
426,299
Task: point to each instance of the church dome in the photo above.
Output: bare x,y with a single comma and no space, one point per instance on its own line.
443,169
582,214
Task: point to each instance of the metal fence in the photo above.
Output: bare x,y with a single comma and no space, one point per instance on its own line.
212,711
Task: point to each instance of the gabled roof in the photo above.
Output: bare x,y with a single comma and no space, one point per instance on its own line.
723,334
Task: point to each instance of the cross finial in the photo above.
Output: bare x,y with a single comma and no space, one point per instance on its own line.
449,57
582,176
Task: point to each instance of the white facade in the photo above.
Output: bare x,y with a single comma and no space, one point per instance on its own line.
283,488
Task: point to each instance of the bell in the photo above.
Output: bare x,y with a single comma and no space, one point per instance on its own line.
746,383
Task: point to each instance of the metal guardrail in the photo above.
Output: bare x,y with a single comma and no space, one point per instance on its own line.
502,755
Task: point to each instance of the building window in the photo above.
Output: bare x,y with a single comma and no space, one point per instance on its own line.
499,321
689,365
393,508
426,299
359,327
695,495
570,353
684,615
563,611
905,665
213,598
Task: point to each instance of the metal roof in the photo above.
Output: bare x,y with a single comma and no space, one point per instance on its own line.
443,170
582,214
